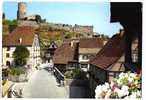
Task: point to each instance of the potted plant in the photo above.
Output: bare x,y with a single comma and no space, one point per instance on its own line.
16,72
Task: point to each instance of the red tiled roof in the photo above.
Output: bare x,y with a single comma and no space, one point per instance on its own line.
65,53
110,53
25,33
91,43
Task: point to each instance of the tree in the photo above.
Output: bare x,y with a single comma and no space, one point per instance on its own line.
20,55
10,25
6,22
68,35
10,22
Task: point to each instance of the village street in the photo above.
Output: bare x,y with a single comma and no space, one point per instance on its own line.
43,85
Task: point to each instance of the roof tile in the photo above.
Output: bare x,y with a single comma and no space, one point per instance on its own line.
110,53
65,53
25,33
91,43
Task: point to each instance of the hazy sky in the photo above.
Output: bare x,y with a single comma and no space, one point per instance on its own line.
82,13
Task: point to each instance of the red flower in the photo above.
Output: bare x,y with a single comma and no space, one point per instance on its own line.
114,86
138,71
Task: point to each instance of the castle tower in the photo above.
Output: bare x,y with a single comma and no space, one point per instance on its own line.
21,10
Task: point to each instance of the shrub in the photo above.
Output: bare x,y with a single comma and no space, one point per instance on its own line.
75,74
17,71
68,74
20,55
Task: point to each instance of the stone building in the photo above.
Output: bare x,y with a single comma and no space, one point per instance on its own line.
35,20
66,27
21,13
87,30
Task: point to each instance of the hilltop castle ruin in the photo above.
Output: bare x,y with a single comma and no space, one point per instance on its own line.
31,20
21,12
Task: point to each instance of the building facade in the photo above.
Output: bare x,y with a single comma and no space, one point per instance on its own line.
24,36
87,30
109,62
129,15
88,48
66,56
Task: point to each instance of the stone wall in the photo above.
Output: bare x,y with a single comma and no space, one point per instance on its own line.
21,78
21,13
77,88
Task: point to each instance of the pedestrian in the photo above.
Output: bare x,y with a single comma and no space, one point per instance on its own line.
20,92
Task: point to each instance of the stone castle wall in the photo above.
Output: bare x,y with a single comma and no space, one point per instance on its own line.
21,15
76,28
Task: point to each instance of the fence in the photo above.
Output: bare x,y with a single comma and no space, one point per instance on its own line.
60,77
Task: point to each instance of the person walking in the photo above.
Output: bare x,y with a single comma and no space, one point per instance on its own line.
51,66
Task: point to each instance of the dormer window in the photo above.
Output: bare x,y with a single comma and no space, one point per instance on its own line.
20,40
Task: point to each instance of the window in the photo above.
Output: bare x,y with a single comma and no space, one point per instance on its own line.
111,74
116,74
8,48
85,57
7,55
135,56
8,63
53,46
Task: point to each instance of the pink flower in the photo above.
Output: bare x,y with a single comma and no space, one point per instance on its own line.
114,87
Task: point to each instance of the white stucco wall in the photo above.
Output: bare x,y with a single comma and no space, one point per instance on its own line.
4,52
34,50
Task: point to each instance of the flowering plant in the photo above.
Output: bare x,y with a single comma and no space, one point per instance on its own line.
126,85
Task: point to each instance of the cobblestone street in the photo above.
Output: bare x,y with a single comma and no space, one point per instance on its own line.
43,85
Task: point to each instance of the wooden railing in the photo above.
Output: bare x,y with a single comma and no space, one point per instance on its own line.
59,75
15,94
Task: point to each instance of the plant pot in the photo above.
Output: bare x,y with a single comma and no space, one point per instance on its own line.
16,78
77,88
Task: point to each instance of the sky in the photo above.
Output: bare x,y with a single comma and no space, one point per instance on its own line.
82,13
